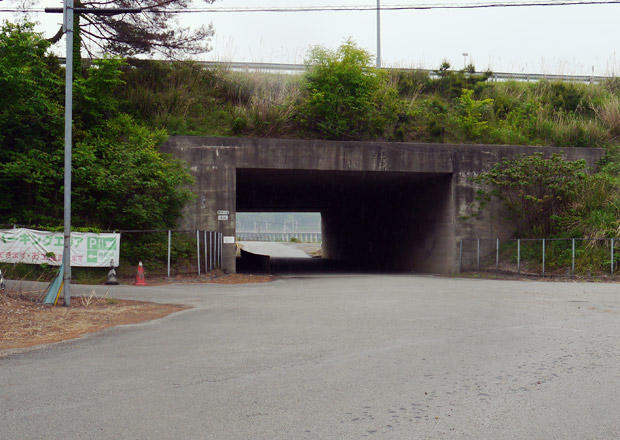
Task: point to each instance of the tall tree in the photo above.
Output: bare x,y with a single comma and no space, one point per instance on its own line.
155,30
120,180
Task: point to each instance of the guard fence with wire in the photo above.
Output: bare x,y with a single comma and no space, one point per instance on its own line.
545,257
172,252
163,252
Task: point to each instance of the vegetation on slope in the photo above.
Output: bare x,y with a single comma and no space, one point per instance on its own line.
342,96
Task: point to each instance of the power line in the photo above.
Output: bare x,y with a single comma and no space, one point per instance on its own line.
399,7
361,8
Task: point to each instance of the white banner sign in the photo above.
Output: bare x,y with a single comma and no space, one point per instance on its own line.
37,247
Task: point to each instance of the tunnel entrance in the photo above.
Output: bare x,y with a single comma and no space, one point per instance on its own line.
279,242
370,221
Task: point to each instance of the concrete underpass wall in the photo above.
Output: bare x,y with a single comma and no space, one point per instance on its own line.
384,205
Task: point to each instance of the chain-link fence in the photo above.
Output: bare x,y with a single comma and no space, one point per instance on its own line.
547,257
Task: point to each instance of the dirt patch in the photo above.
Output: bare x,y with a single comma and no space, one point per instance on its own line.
235,278
24,322
240,278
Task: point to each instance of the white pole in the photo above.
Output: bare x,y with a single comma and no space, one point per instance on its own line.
378,34
66,256
169,240
198,249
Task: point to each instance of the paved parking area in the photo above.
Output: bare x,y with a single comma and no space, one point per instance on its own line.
334,357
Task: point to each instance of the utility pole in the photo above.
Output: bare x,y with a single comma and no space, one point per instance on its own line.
378,34
68,10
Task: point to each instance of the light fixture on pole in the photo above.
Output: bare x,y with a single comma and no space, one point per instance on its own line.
465,55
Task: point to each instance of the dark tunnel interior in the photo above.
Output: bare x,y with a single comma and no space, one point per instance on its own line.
371,221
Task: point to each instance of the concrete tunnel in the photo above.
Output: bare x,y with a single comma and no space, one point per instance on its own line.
383,205
370,220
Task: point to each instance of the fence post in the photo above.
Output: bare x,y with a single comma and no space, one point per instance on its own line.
206,262
461,256
612,258
478,258
572,270
519,256
198,249
169,239
211,250
497,255
219,249
543,257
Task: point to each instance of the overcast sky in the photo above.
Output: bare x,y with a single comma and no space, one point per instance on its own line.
560,39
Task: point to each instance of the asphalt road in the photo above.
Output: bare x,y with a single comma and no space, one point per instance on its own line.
334,357
273,249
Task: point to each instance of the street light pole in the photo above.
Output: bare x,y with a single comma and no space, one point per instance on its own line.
66,256
68,10
378,34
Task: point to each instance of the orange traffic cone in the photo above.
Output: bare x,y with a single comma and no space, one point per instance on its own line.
140,281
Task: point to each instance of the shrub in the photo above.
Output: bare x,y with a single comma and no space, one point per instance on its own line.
344,96
536,190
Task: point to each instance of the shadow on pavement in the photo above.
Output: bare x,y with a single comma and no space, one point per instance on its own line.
306,266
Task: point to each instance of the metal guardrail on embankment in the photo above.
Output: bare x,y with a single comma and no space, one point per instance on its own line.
495,76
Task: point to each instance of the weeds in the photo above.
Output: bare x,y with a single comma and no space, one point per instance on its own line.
92,299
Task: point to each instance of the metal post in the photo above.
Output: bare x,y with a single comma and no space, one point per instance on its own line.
497,255
217,249
66,256
519,256
169,240
378,34
478,258
206,264
211,249
572,271
198,249
543,257
461,256
221,248
214,250
612,258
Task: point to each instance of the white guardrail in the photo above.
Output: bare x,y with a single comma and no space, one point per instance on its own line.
495,76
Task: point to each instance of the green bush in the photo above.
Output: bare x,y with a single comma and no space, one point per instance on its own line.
536,190
344,96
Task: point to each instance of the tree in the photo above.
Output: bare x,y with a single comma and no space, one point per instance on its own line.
31,121
120,180
537,190
138,33
345,96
